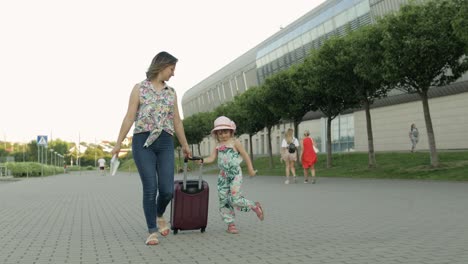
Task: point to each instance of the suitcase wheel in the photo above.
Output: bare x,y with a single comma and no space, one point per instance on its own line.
175,231
203,229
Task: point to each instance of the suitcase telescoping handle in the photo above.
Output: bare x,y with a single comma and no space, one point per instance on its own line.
186,159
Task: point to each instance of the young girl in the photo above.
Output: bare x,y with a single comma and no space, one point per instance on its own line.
229,152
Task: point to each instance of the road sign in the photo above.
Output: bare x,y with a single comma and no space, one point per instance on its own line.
42,140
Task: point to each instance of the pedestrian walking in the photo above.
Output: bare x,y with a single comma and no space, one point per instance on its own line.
414,136
102,165
308,157
289,146
229,153
154,111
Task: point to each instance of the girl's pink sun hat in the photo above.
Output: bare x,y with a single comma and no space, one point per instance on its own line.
223,122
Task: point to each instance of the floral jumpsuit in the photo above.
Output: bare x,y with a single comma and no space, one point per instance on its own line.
229,183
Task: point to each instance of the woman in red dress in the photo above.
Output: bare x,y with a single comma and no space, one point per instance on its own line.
308,157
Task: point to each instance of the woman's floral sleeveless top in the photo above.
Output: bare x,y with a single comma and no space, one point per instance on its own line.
155,112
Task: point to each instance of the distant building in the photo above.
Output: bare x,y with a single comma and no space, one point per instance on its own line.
391,116
75,149
127,141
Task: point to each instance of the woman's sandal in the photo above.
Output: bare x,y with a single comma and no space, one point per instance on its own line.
163,228
232,229
258,210
152,239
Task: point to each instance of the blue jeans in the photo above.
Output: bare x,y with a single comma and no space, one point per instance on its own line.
156,168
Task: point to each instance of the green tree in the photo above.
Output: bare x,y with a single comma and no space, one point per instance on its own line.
60,146
32,150
423,51
197,127
254,107
92,153
460,22
366,53
287,96
328,77
233,111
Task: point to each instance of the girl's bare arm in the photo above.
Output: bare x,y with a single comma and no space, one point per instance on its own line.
245,156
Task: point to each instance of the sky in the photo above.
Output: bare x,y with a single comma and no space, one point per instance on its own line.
67,67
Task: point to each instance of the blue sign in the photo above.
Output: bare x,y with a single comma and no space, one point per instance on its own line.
42,140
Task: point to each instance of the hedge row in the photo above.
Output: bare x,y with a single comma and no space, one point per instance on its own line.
31,169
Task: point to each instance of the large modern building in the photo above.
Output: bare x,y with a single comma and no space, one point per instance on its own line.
391,116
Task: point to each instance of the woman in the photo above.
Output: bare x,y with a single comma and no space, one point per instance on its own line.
154,110
308,157
414,136
288,154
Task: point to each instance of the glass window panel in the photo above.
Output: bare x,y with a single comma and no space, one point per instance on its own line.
340,19
313,34
280,52
362,8
269,58
297,42
306,38
263,60
351,14
328,25
290,46
304,29
284,49
295,33
320,30
277,54
273,55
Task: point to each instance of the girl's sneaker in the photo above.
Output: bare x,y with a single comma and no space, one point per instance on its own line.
258,210
287,180
232,229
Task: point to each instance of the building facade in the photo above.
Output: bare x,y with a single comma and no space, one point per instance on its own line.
391,116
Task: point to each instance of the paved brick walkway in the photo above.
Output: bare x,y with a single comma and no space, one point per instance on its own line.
87,218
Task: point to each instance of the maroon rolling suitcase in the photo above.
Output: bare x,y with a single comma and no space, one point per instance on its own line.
189,210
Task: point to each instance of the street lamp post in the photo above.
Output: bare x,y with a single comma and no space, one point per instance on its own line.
60,160
55,161
51,152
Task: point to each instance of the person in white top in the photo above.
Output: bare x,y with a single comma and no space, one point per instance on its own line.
289,148
102,164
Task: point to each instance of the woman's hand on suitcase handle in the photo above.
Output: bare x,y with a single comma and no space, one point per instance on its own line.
199,160
252,172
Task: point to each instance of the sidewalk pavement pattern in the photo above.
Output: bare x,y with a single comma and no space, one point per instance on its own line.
83,217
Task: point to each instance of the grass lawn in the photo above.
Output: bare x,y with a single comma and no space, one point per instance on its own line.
390,165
